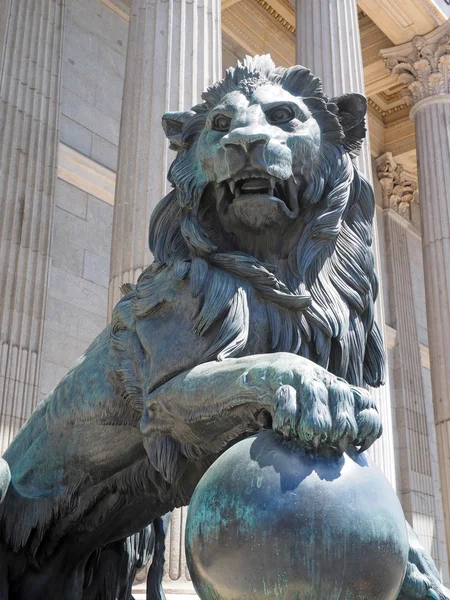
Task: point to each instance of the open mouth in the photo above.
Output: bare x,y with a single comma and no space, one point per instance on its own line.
257,188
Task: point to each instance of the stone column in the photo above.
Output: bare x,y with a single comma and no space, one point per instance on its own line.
174,54
177,580
5,8
416,437
327,36
328,43
424,66
31,38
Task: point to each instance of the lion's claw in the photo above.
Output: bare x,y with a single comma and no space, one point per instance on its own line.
343,444
320,409
368,441
315,442
285,411
315,419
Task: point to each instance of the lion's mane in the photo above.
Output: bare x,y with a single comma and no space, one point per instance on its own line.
332,260
320,301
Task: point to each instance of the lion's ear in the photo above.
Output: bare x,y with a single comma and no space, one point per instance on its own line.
172,123
352,109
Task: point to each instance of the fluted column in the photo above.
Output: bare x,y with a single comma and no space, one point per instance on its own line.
416,486
174,54
31,36
5,8
328,43
177,579
424,66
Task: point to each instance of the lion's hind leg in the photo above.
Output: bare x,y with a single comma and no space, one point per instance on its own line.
111,570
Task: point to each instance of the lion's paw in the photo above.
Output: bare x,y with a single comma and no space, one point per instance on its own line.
325,410
367,419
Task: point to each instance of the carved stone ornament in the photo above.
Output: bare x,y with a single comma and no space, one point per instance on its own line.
423,64
399,187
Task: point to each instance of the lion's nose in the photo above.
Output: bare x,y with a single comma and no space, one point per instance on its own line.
245,139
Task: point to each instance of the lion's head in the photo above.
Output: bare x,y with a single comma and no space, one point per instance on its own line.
263,174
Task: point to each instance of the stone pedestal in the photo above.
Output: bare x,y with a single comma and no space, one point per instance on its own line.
174,54
328,43
424,66
31,37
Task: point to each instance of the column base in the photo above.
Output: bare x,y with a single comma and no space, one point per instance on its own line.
174,590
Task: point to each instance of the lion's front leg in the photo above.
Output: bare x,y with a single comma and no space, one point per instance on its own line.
204,406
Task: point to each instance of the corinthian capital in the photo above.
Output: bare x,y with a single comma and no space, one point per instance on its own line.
398,187
423,64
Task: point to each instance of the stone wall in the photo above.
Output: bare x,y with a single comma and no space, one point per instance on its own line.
91,100
77,293
95,41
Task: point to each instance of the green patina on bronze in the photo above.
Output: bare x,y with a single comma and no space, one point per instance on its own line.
318,525
256,312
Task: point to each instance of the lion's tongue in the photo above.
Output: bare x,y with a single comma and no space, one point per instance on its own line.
256,186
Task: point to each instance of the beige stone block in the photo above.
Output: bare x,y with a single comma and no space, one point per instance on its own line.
104,152
75,135
90,117
79,292
77,82
67,256
119,7
70,198
67,226
76,322
99,218
86,174
116,13
63,350
107,29
61,316
96,268
51,375
90,325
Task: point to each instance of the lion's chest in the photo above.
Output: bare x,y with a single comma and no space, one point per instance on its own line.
168,334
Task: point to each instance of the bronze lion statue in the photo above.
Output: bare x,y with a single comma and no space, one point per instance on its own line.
257,312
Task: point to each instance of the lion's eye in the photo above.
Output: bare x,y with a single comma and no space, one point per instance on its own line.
280,115
221,123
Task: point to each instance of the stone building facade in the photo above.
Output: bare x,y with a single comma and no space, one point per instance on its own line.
83,84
